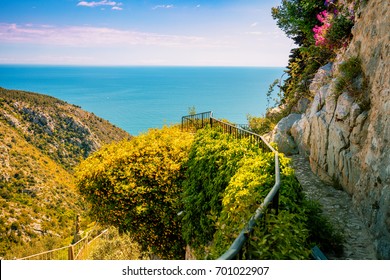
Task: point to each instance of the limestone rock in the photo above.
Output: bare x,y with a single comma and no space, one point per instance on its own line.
346,143
321,78
281,134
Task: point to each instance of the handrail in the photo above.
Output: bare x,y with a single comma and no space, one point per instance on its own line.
67,248
243,236
44,253
239,132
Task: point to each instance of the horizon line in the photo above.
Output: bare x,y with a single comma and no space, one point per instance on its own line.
138,65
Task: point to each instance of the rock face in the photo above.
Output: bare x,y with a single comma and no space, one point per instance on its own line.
348,143
281,135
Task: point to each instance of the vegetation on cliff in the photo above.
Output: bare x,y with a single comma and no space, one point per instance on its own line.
319,29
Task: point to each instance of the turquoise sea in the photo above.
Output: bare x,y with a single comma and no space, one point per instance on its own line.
138,98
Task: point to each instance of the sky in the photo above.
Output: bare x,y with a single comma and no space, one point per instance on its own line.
142,32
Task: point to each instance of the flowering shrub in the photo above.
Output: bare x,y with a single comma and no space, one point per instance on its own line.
320,31
136,186
336,26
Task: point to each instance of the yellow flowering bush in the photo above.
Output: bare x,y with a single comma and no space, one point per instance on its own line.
136,186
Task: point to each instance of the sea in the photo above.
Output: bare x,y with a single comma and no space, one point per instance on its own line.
138,98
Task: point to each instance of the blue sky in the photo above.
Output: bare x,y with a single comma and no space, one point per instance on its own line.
142,32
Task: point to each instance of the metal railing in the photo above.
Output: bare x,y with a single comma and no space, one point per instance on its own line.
77,251
192,123
197,121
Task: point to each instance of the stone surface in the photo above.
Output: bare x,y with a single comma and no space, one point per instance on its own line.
281,135
347,143
338,208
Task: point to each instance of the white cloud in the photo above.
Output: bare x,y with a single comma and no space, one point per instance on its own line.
86,36
254,24
162,7
93,4
96,4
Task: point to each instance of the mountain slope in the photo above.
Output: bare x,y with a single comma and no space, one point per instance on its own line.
64,132
41,140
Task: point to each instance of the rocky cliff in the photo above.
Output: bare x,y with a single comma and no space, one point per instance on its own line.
346,134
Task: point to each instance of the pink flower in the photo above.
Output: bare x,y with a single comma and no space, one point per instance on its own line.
320,31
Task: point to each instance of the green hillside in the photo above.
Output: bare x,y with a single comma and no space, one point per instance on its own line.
41,140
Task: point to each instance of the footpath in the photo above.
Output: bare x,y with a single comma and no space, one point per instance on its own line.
337,206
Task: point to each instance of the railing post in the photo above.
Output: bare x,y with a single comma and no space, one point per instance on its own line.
71,253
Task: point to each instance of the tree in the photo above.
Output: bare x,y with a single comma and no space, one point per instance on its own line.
297,19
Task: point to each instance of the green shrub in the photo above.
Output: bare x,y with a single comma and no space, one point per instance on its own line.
213,160
136,186
297,19
115,246
282,237
340,31
243,195
260,125
227,180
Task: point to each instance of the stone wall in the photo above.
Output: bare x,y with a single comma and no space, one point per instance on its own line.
346,142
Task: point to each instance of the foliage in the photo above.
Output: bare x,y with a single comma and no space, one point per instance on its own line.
269,94
283,237
297,19
352,80
260,125
246,191
227,180
319,29
116,246
303,64
191,110
136,186
37,197
334,31
213,160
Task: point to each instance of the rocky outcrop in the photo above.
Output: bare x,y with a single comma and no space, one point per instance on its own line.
347,141
281,135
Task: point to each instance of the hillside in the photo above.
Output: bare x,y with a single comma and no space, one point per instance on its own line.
64,132
41,140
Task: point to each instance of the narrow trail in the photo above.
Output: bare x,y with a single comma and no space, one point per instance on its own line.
337,206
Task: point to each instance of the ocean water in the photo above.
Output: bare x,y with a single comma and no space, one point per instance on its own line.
138,98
